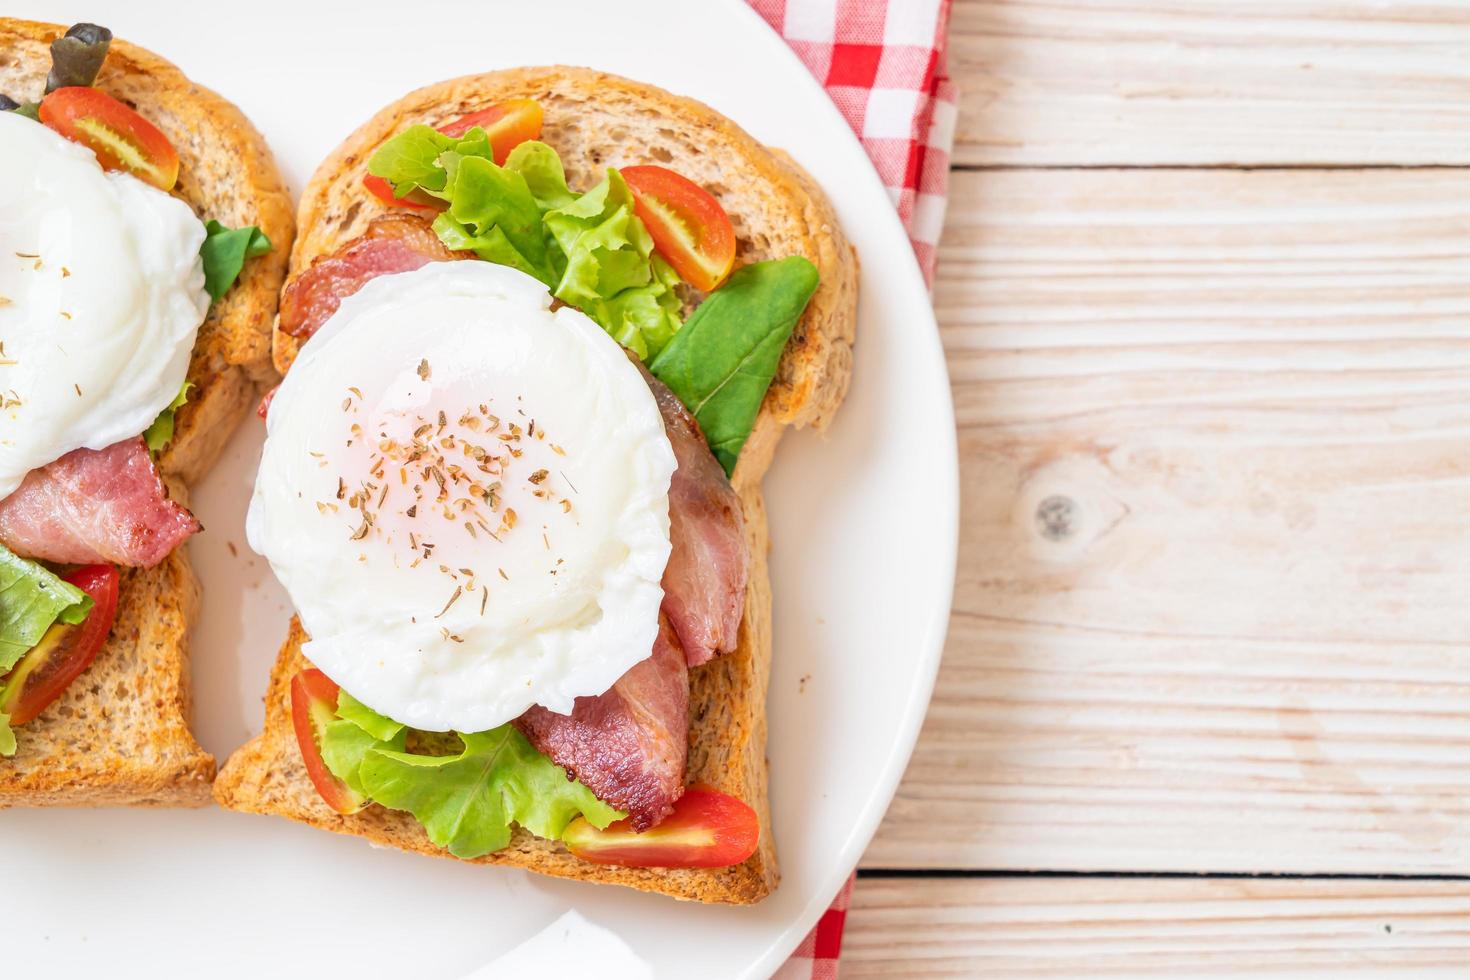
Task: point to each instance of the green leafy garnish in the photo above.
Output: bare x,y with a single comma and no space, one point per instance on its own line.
467,802
611,272
224,253
31,110
32,598
590,249
378,726
76,56
161,432
722,361
7,736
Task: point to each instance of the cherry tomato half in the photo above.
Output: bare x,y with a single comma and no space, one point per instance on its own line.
64,651
122,139
508,124
313,705
707,829
689,228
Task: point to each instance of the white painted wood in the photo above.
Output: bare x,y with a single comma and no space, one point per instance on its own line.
1211,607
1064,928
1065,82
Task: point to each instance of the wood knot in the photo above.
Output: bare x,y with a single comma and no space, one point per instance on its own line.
1056,517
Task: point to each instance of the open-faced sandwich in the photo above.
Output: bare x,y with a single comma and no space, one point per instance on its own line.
143,240
544,328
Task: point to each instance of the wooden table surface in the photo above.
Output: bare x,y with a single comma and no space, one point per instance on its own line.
1205,706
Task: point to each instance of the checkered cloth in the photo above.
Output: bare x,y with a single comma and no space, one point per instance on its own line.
882,62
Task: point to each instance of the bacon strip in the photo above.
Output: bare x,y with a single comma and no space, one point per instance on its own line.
630,745
96,505
393,242
704,582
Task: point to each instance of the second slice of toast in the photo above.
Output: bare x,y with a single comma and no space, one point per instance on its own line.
119,734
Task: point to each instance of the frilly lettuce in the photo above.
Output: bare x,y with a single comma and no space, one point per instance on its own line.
31,599
590,250
7,736
611,271
466,801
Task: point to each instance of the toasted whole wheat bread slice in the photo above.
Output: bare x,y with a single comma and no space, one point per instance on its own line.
119,734
595,120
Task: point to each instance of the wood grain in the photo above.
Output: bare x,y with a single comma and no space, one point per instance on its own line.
1227,82
1069,928
1211,605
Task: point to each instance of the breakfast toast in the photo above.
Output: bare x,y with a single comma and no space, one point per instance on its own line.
595,120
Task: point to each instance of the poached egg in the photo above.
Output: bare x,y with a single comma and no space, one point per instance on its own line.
101,298
465,494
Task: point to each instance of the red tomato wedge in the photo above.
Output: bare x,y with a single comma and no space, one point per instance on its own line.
122,139
64,651
689,228
707,829
416,198
313,705
508,124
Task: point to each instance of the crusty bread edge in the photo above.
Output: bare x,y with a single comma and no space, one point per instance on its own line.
807,393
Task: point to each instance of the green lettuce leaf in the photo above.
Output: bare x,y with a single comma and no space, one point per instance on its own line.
224,253
542,170
411,159
31,599
7,736
493,214
357,730
722,361
611,272
161,432
467,802
379,727
344,746
590,249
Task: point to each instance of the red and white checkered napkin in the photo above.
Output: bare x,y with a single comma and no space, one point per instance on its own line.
882,62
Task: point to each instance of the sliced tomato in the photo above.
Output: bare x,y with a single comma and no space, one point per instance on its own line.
708,829
313,705
416,198
508,124
122,139
64,651
689,228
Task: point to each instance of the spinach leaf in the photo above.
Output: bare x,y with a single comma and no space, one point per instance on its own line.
224,253
723,359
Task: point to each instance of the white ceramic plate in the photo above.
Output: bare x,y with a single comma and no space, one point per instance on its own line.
863,523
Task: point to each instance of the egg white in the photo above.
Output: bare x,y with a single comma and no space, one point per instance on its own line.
101,298
495,618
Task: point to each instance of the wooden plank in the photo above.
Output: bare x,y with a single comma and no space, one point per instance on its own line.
1068,928
1063,82
1211,606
